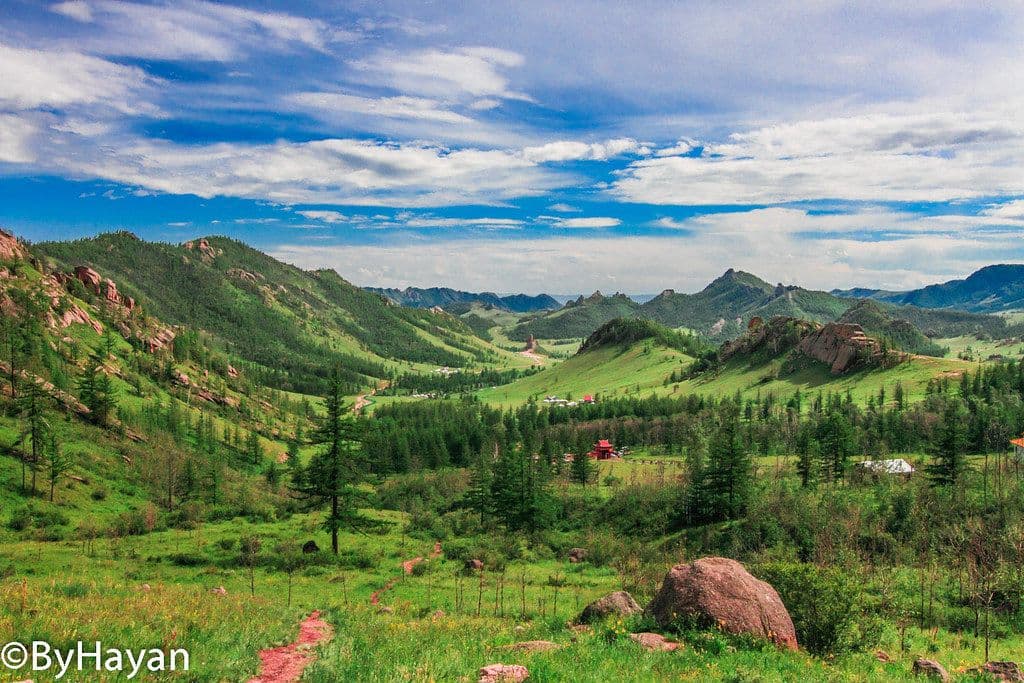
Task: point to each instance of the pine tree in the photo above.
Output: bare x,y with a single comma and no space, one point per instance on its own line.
949,465
727,479
582,470
57,464
36,430
478,495
333,475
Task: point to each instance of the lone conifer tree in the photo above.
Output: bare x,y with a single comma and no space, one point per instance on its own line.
948,467
333,475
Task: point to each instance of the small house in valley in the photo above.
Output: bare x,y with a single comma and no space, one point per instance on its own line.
1018,448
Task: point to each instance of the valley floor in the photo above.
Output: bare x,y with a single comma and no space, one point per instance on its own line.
436,624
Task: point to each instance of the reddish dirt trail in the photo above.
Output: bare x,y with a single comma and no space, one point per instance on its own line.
534,357
407,568
285,664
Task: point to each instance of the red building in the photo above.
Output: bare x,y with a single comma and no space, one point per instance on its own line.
603,450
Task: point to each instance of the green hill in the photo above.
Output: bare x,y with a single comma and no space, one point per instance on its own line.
286,321
723,308
577,318
898,333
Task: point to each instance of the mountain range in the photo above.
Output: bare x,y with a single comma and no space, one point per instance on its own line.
991,289
723,308
456,300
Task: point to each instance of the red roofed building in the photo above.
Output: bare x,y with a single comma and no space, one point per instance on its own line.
603,450
588,399
1018,448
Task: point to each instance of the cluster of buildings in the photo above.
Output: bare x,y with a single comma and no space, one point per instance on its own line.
556,401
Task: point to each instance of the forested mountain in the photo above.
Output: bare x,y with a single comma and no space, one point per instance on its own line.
723,308
896,332
577,318
992,289
446,298
286,321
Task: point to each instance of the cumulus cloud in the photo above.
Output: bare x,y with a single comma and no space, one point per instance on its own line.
33,79
568,150
909,158
476,72
331,171
1011,210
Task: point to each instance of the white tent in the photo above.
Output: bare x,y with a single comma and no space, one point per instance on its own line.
897,466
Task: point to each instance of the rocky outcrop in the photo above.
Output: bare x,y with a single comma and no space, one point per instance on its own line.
206,252
841,346
577,555
10,248
719,592
1001,671
931,669
775,336
245,275
619,603
503,673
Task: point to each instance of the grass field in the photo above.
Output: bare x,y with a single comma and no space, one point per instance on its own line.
606,371
644,368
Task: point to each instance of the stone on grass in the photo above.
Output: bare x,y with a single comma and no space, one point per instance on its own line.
654,642
719,592
619,603
930,668
503,673
1001,671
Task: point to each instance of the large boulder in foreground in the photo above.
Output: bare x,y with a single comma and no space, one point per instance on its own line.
716,591
619,603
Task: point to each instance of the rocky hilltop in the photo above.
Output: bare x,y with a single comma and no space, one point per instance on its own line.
841,346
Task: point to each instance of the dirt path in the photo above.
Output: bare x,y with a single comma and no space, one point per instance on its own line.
363,400
285,664
534,357
407,568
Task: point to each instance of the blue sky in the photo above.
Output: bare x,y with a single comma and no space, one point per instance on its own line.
528,146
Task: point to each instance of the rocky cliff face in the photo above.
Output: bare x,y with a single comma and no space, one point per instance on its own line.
841,346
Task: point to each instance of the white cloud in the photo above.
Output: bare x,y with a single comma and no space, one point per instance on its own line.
569,150
682,147
1012,210
589,222
327,105
562,207
31,79
331,171
912,158
192,30
769,243
470,71
75,9
325,216
487,223
16,135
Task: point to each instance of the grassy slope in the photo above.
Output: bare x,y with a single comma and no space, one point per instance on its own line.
286,312
643,368
606,371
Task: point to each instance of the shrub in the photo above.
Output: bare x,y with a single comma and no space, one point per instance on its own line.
99,493
828,606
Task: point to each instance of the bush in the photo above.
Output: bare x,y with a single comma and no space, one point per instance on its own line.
828,607
99,493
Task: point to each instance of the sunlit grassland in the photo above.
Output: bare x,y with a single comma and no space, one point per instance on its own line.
607,371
